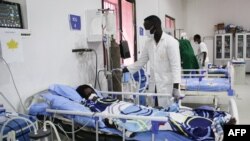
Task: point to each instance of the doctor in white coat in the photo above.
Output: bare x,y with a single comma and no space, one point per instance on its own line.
162,51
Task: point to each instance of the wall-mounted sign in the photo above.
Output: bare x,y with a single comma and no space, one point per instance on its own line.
75,22
11,46
141,31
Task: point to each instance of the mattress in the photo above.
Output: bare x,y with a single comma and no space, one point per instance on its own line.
206,84
217,71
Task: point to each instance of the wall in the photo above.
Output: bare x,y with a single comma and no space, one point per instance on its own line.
48,57
173,8
202,15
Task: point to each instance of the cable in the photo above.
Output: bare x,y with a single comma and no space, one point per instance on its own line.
8,102
89,50
12,78
61,128
77,129
53,126
20,128
95,67
13,118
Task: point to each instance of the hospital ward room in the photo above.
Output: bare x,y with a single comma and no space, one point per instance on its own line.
124,70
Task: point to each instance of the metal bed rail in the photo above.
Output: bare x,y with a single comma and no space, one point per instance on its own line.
104,115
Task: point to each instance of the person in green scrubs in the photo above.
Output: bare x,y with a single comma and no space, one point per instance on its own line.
188,58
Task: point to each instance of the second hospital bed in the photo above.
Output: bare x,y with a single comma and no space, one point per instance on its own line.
68,102
207,84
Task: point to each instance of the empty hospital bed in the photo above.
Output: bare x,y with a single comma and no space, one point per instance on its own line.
207,84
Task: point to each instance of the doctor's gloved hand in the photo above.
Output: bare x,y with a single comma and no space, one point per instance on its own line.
177,94
125,69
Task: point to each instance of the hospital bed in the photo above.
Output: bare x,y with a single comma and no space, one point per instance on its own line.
223,70
207,84
65,108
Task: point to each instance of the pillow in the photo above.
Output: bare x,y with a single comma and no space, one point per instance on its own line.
66,91
61,103
38,109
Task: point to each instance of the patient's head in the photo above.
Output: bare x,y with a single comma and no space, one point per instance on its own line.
85,91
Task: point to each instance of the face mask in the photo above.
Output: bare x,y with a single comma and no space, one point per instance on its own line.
147,32
92,96
196,42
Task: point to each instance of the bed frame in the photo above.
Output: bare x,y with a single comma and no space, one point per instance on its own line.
213,94
232,109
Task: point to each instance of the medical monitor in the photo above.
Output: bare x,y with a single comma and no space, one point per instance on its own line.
10,15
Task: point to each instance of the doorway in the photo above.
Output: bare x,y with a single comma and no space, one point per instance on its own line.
125,24
170,25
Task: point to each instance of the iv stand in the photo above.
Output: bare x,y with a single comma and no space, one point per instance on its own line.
179,31
106,41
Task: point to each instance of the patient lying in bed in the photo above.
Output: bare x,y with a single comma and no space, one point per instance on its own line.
199,124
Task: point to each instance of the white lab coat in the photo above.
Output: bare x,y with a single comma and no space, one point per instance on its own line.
165,66
203,48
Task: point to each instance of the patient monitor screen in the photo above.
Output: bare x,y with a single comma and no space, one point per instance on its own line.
10,15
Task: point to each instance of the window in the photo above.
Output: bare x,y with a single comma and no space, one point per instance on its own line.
170,25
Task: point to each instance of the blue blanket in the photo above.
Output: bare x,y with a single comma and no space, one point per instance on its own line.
21,125
55,101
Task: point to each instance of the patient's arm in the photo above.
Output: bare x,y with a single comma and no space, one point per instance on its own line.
109,123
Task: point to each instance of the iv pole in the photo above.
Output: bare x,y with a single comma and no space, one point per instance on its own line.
179,31
106,42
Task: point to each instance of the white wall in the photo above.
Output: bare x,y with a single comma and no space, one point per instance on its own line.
202,15
48,57
173,8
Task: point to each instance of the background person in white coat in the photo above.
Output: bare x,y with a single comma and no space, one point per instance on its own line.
162,51
202,55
